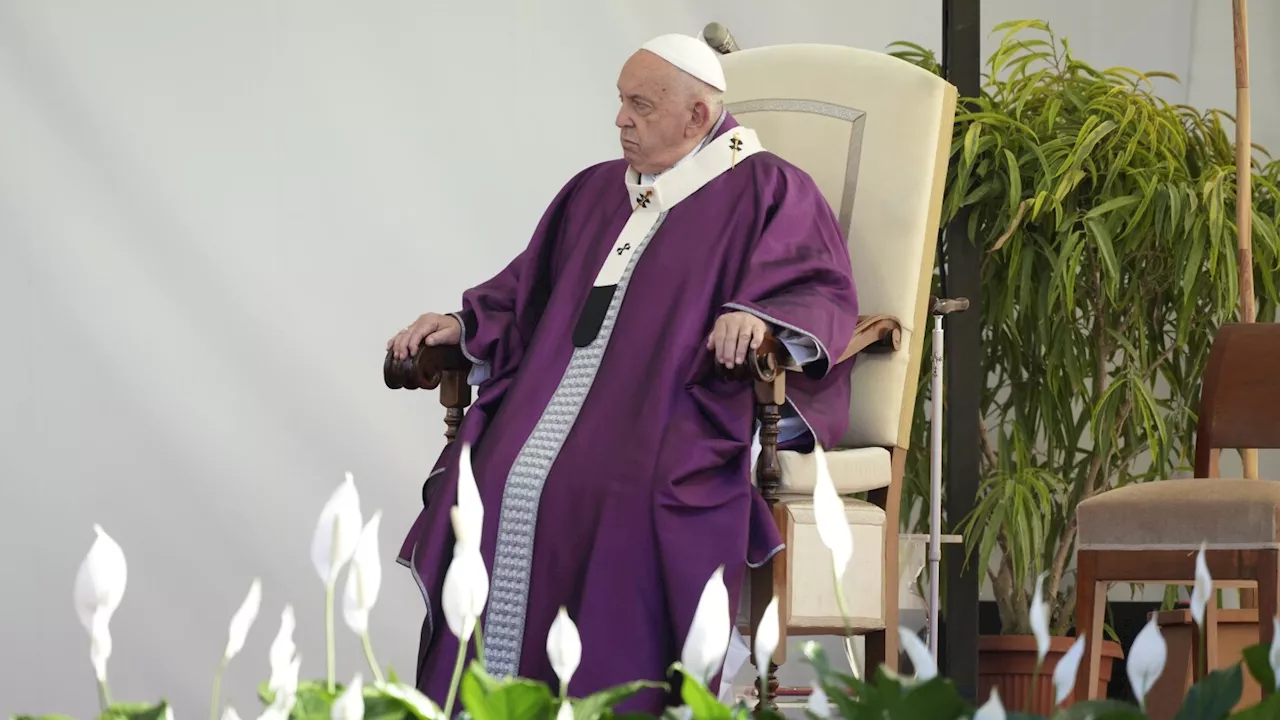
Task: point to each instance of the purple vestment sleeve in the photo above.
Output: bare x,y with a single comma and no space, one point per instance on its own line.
499,316
798,278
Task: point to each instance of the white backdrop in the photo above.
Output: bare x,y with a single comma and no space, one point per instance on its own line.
214,213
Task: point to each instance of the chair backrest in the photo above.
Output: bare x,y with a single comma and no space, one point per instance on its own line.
874,132
1240,394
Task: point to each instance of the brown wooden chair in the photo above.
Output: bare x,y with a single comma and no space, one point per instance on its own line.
1151,532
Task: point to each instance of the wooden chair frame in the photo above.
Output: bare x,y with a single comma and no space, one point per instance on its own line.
446,368
1239,408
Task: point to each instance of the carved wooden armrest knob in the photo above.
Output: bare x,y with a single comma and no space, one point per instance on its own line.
425,369
761,365
874,334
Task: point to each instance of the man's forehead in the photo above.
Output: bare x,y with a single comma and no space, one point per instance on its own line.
647,74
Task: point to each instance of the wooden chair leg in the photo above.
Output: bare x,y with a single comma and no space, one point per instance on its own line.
762,589
1268,572
1091,604
1210,639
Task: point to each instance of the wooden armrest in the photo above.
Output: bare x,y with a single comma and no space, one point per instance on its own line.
874,334
425,369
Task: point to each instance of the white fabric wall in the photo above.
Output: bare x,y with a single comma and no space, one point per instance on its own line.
212,216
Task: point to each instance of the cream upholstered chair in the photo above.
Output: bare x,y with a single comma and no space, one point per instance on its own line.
874,132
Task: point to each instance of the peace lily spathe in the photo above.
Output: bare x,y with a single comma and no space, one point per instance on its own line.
364,578
337,531
469,525
1202,591
564,648
350,704
1040,620
766,639
829,516
229,713
242,621
285,665
921,658
708,639
100,585
992,709
1064,674
1146,660
466,582
819,705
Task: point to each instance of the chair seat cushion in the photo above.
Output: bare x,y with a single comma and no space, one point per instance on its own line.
852,471
1180,514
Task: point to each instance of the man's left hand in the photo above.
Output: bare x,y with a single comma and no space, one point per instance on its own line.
734,334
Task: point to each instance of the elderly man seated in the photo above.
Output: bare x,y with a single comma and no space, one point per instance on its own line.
612,459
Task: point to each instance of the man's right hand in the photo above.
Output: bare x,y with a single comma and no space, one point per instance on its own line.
433,328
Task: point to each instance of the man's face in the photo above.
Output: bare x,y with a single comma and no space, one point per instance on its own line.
660,118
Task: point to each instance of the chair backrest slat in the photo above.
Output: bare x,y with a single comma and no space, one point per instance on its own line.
1240,395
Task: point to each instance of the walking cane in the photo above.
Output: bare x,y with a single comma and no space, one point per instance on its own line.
938,307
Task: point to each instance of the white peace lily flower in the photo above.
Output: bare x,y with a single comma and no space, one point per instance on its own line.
466,585
921,658
285,687
992,709
818,703
470,524
1273,657
1040,620
1064,674
1202,591
229,713
283,652
828,514
350,704
565,712
243,620
755,453
1146,660
708,638
99,588
564,649
364,578
766,639
415,698
337,531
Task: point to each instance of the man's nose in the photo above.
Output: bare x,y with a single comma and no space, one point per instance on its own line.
623,120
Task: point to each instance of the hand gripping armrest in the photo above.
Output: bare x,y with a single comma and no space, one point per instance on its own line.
425,369
442,366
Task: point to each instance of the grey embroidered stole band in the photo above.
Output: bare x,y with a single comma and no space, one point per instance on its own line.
518,516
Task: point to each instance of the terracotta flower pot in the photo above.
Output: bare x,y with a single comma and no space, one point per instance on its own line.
1008,662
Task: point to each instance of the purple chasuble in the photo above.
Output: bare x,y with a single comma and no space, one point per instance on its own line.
615,477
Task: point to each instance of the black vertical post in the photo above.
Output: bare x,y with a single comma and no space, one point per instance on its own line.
962,61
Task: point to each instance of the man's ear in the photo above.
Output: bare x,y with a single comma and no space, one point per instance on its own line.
697,119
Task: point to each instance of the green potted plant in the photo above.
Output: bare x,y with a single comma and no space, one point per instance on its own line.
1105,218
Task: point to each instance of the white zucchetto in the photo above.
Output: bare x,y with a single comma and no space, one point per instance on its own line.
690,55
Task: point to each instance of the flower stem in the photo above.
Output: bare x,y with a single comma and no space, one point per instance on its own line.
457,677
479,638
104,694
368,655
215,702
1035,686
330,658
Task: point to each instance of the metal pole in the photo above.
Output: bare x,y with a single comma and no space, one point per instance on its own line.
935,489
